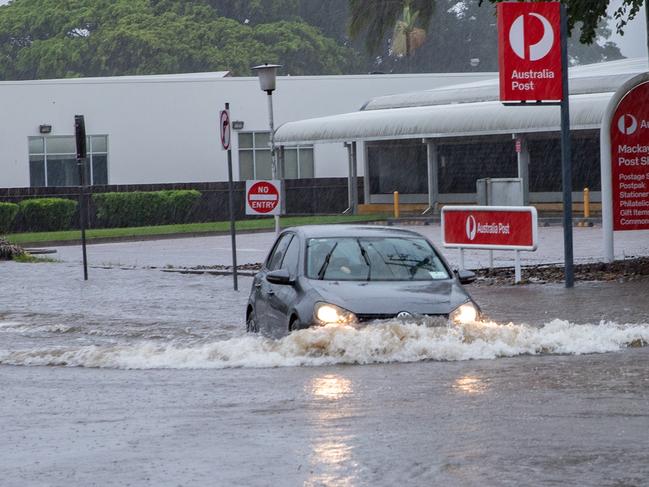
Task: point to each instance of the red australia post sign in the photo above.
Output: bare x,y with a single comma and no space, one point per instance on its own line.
490,227
529,51
630,160
263,197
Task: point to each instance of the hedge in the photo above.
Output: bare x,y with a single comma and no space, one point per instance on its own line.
8,212
139,208
46,214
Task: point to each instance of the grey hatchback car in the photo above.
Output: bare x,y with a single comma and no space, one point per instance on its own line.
337,275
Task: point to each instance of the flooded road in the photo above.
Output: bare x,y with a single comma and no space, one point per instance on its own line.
146,378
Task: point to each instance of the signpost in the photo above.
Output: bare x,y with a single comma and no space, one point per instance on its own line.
630,160
225,133
529,55
533,66
80,139
263,197
624,157
492,228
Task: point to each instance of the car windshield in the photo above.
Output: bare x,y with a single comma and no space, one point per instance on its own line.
373,259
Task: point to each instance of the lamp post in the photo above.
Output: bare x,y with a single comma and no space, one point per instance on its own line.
267,74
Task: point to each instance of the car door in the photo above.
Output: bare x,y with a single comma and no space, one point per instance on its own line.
263,289
282,297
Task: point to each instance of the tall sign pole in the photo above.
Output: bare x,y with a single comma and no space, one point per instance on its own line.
566,157
226,136
533,68
80,139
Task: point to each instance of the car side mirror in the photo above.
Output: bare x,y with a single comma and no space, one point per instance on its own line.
280,276
465,277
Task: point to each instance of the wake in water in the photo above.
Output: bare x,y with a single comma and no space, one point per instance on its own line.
377,343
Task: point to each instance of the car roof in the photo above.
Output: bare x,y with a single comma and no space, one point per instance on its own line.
351,230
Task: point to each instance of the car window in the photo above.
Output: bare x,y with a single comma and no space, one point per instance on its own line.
291,257
373,259
276,257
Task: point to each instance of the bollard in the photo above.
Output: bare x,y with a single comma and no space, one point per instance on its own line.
586,203
396,204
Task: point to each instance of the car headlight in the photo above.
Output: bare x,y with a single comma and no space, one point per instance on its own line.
326,313
466,313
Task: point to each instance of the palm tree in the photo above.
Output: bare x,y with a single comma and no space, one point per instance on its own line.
407,37
376,18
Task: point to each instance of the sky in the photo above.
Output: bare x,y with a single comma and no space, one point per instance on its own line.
632,44
634,41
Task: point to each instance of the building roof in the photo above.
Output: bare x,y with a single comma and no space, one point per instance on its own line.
588,78
469,109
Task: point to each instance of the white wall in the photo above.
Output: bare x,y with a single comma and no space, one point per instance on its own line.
164,129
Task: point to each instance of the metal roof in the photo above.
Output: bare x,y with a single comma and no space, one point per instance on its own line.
439,121
470,109
589,78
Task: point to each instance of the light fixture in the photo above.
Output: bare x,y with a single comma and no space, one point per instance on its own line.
45,129
237,124
267,74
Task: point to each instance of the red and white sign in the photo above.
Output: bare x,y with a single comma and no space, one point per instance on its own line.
224,127
529,51
490,227
263,197
630,160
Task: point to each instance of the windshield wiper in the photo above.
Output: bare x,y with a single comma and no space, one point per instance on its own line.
365,258
323,269
413,269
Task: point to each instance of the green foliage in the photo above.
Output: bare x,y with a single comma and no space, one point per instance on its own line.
8,212
47,214
51,39
139,208
588,14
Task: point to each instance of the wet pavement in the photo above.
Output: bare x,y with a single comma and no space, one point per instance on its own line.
140,377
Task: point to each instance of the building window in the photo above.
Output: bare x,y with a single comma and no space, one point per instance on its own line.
255,162
53,161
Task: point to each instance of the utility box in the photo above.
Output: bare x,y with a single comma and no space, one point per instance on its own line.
500,192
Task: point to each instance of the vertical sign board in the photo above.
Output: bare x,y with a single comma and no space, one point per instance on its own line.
490,227
529,51
224,128
630,160
263,197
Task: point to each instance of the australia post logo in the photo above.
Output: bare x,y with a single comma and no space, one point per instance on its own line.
627,124
529,51
471,227
520,42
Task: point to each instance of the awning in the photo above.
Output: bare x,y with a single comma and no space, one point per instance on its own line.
440,121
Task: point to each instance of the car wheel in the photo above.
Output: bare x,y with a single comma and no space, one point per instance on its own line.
251,322
294,324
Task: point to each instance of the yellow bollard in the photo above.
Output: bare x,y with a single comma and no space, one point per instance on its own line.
586,203
396,204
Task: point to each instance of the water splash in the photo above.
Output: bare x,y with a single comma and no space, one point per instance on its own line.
378,343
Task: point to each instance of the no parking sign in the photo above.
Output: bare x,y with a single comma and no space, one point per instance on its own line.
263,197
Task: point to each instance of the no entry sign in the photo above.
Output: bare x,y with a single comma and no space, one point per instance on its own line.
263,197
490,227
529,51
630,160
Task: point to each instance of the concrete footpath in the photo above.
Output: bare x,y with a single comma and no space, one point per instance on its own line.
252,248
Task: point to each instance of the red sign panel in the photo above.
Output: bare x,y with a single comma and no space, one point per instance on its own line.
262,197
529,51
490,227
630,160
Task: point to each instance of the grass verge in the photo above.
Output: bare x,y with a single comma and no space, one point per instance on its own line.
185,228
32,259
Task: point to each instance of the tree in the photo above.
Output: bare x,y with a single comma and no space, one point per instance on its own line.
459,32
55,38
377,17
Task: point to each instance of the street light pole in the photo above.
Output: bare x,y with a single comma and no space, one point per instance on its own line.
273,154
267,74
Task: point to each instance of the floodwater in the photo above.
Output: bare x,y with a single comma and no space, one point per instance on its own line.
143,377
